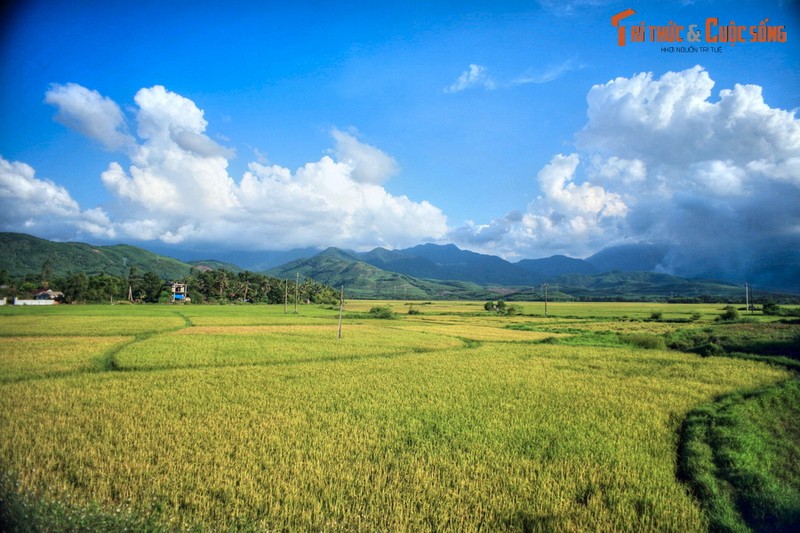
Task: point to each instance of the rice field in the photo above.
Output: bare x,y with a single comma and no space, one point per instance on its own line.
247,418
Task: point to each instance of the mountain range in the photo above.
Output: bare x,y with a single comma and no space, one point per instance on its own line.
445,271
426,271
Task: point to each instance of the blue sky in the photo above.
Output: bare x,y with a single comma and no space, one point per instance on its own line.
520,129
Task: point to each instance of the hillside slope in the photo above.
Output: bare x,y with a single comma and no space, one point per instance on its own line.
342,268
24,254
339,268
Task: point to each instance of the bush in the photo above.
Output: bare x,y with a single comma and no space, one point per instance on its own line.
501,308
381,312
657,315
730,314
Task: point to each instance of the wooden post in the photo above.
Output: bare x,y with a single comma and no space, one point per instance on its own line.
544,286
341,307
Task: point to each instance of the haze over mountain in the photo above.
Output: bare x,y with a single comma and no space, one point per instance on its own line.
423,271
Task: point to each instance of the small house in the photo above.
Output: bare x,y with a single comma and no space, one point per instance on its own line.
179,292
49,294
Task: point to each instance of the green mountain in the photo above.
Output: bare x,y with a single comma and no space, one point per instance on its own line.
414,274
361,280
22,254
618,285
213,264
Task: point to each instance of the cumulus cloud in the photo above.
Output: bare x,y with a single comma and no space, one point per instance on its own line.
176,187
564,196
334,207
474,76
367,163
566,217
661,160
177,169
716,163
40,206
90,113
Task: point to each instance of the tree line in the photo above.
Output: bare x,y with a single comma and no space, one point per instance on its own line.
203,286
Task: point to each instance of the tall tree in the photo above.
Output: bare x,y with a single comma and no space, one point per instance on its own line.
47,273
76,287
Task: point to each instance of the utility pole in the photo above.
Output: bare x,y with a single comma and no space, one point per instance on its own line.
544,288
296,287
285,295
747,296
341,307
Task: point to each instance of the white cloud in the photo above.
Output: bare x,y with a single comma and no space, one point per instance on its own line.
177,188
787,169
615,171
38,206
368,164
564,196
720,178
566,218
327,205
552,73
90,113
177,171
474,76
660,160
671,120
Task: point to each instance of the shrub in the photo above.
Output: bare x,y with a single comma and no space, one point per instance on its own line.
501,308
730,314
381,312
656,315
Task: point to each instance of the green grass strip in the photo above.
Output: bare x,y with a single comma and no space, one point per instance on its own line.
741,457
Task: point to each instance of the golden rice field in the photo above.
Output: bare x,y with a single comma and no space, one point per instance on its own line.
246,418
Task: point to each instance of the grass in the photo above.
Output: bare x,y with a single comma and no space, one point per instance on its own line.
741,455
243,417
24,358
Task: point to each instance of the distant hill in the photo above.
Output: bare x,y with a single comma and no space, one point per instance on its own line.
641,285
213,264
339,268
22,254
427,271
252,260
401,262
470,266
361,279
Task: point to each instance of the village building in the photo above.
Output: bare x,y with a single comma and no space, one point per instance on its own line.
179,292
48,294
